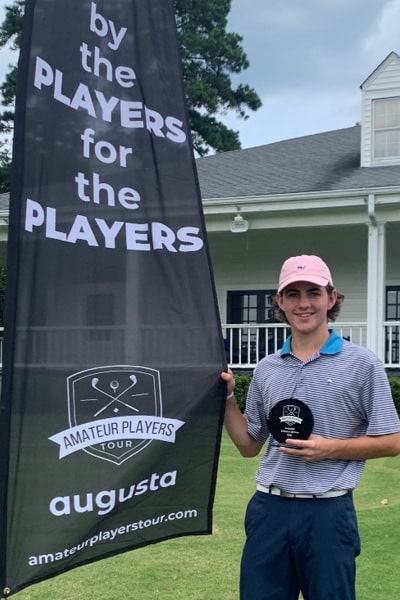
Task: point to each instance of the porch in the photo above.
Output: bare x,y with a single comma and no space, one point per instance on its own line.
246,344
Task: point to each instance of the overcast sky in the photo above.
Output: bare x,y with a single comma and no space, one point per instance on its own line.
5,55
308,59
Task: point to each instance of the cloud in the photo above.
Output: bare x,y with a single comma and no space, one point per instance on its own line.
294,44
385,36
308,60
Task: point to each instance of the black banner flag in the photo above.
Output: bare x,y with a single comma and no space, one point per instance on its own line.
112,403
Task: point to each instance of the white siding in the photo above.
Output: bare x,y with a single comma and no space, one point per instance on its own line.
393,254
251,261
385,78
383,83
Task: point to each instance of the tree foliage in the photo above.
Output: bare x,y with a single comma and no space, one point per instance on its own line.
10,34
210,55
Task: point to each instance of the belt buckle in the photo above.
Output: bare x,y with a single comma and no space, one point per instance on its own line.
275,491
286,494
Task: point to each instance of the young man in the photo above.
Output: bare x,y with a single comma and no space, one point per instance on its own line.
301,526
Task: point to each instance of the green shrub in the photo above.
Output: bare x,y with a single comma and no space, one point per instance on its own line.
243,382
395,387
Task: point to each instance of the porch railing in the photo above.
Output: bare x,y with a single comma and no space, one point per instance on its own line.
245,344
392,338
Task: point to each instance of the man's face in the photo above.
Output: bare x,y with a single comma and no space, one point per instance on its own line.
306,305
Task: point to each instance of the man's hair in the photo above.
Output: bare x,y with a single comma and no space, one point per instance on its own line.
332,313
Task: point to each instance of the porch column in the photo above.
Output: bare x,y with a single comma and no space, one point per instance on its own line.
376,283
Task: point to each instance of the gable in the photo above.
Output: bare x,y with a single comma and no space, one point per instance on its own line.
385,77
380,88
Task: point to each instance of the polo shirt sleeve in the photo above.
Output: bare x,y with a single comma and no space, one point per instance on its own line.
381,414
255,412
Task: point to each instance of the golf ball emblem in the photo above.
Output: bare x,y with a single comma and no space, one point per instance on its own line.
111,397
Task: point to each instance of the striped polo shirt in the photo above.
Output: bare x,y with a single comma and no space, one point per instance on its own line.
348,391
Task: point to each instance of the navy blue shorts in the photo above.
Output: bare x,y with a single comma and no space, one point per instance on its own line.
299,544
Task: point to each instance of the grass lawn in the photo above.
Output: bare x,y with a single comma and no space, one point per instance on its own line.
206,567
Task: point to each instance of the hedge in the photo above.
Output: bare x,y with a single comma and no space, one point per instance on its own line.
395,386
243,382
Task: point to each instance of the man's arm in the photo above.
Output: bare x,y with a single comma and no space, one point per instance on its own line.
236,424
362,448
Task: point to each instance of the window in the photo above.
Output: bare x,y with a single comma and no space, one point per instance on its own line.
392,332
250,307
249,344
386,114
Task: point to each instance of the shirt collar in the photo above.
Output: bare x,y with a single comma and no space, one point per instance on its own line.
333,344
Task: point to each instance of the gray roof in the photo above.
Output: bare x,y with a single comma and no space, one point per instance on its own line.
313,163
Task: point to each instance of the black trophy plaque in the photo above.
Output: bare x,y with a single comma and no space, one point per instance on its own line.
290,418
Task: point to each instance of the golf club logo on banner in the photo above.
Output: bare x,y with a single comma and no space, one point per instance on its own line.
114,412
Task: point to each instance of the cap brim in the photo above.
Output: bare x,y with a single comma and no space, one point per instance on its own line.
316,279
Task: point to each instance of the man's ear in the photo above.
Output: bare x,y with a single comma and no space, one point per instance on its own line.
332,298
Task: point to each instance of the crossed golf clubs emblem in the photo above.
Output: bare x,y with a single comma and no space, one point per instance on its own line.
291,411
116,398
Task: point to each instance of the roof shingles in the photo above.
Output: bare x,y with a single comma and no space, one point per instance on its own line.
320,162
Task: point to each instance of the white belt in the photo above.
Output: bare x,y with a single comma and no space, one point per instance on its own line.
275,491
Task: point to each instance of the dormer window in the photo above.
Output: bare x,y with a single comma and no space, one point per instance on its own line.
380,125
386,119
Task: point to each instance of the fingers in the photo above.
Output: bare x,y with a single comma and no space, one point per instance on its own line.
227,376
311,450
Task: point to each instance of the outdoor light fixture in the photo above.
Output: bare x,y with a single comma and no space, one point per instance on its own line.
239,225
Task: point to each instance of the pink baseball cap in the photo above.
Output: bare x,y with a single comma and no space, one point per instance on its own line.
307,268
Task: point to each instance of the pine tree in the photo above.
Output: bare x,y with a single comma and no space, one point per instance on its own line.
210,55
